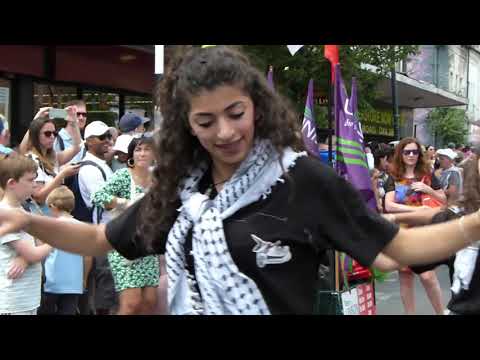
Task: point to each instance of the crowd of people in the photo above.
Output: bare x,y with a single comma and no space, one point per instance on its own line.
86,173
418,185
226,192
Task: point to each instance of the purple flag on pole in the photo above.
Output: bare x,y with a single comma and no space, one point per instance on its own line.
351,159
270,78
309,128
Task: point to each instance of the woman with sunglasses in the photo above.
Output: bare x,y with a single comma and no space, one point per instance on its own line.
465,266
41,138
411,178
136,281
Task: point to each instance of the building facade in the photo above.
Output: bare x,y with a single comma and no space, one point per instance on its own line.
111,78
423,82
452,68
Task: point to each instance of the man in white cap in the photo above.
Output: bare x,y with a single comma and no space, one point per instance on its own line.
121,152
91,179
451,178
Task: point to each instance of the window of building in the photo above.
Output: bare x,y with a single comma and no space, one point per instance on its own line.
49,95
102,106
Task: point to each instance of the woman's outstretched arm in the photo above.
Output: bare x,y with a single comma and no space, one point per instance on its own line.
75,237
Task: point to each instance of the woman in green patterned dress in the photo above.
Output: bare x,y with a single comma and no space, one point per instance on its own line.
135,281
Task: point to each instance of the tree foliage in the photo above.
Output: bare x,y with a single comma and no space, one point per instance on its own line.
292,73
448,124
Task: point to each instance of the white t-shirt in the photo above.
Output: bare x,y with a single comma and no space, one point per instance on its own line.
42,176
22,294
90,180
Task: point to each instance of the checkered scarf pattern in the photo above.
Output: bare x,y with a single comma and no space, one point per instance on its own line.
224,289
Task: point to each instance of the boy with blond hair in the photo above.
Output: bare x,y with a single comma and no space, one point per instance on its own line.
20,296
63,271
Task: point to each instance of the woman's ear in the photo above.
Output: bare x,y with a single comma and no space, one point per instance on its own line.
257,115
190,130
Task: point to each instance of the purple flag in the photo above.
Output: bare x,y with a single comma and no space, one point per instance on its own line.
270,77
351,159
309,128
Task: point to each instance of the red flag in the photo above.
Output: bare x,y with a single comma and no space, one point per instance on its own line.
331,53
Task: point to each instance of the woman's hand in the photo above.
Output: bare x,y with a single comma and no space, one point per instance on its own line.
43,112
121,204
420,186
69,170
72,114
18,268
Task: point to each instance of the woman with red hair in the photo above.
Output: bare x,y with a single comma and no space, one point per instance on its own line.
411,179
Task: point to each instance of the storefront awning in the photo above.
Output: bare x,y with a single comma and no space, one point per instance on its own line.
146,48
416,94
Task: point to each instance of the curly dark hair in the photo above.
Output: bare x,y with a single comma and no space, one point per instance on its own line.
189,71
398,171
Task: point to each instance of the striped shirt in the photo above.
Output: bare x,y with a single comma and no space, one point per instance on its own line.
22,294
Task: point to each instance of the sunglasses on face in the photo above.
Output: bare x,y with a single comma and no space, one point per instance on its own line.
84,114
50,133
105,136
412,152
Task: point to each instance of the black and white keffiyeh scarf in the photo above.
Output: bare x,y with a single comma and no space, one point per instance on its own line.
225,290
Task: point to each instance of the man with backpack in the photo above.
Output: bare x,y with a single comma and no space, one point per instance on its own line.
93,174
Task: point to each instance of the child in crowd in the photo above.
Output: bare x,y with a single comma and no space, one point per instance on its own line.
20,294
63,271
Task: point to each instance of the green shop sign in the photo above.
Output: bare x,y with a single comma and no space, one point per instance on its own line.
377,122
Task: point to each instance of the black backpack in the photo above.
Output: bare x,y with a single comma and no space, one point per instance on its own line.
81,211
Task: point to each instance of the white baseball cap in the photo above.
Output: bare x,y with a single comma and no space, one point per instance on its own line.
122,143
96,128
448,153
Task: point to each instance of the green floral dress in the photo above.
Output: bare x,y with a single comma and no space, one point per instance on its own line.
127,274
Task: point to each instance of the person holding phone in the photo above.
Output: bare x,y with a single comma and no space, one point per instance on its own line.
66,135
41,137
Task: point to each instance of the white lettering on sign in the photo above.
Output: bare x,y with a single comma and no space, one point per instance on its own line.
311,131
346,108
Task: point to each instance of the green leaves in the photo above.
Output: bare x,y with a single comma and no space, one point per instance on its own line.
448,124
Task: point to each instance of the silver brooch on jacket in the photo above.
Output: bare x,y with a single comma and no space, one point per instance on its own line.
268,253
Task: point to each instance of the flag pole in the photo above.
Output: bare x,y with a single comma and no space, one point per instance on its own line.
330,121
334,254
